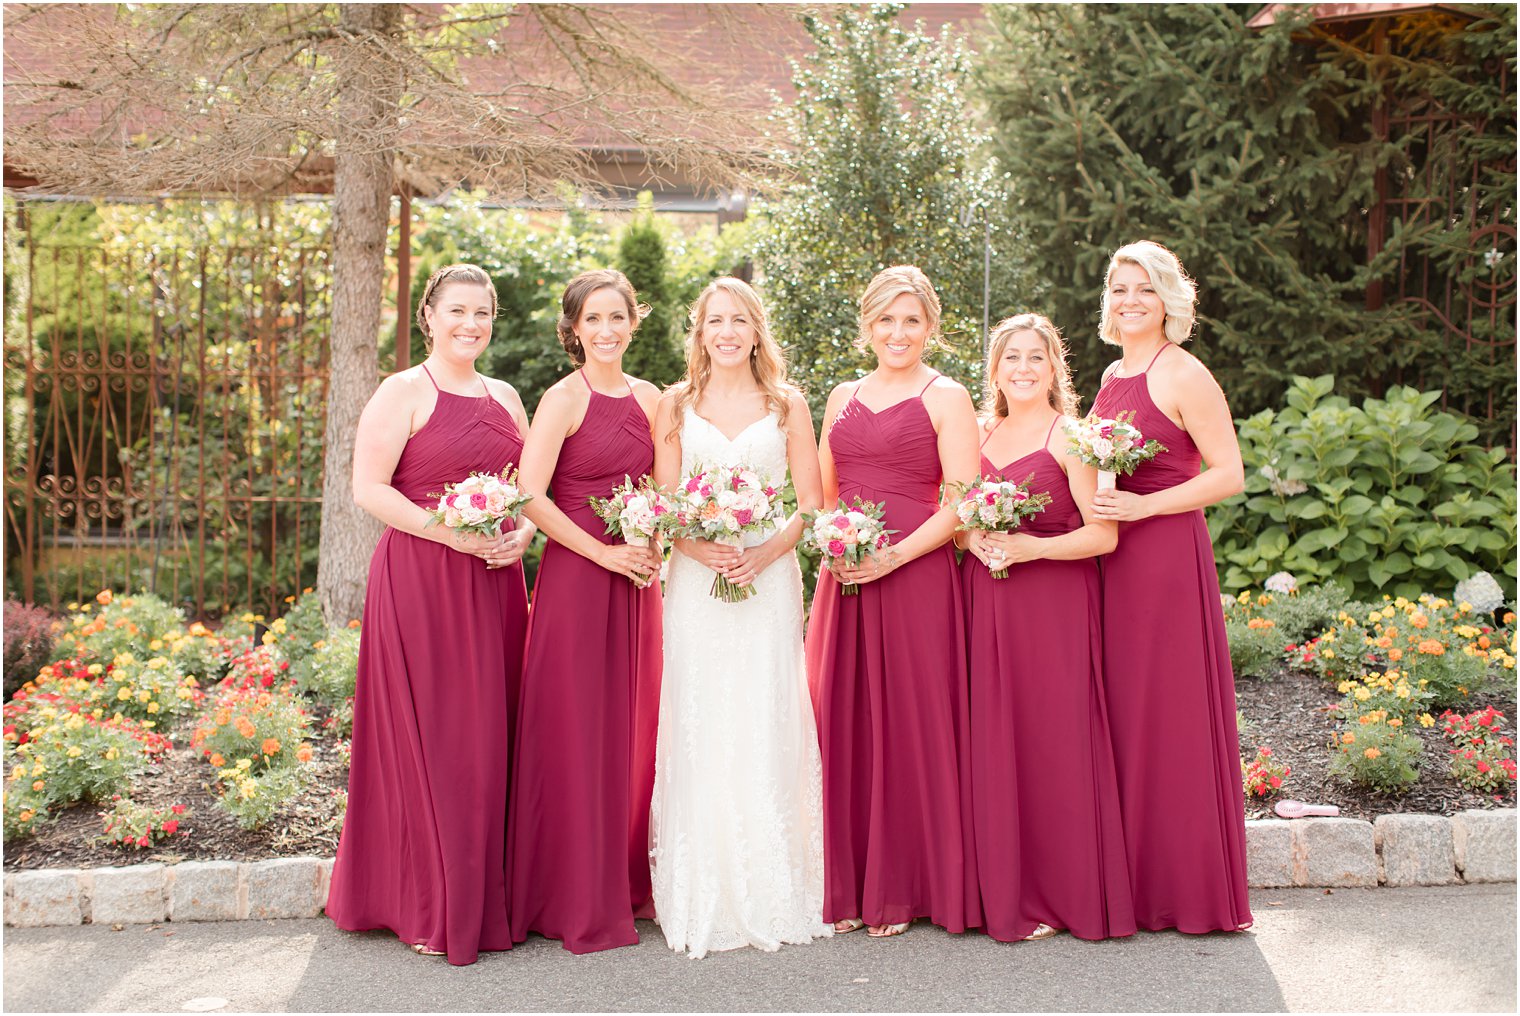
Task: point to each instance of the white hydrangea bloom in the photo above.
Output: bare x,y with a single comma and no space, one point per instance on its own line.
1481,591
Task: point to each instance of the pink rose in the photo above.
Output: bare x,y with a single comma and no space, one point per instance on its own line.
881,541
743,515
693,484
836,548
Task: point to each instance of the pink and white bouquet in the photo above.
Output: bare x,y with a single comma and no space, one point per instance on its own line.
997,506
635,511
1113,446
722,504
479,503
847,534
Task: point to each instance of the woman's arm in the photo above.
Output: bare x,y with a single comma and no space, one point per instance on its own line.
523,532
384,428
1192,391
559,414
802,461
955,420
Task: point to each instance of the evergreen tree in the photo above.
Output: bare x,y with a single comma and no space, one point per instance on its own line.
1252,155
655,353
885,171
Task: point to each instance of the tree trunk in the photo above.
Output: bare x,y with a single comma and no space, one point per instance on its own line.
362,183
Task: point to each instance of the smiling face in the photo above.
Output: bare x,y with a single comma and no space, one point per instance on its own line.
1025,372
728,334
459,320
605,326
899,332
1134,306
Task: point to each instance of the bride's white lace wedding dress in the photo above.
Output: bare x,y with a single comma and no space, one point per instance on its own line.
736,825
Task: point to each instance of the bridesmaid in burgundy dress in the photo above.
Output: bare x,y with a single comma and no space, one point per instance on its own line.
1171,694
423,841
1049,841
578,832
887,667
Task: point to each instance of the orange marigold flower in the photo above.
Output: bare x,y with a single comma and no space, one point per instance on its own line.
1372,753
245,726
270,746
1432,647
1419,621
303,753
1483,642
217,760
1395,654
1348,738
103,597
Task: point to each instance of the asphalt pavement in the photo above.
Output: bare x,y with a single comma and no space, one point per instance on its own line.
1417,949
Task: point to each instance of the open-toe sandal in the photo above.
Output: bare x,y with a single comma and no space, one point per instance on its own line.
889,930
848,925
422,950
1043,931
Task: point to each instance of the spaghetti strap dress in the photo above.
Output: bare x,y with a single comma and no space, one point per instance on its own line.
1049,841
440,653
578,833
887,671
1171,695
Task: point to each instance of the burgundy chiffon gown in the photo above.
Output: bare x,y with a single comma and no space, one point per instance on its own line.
1171,695
423,842
1049,840
887,671
578,833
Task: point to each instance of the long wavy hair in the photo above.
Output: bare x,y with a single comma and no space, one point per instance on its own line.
767,361
1062,395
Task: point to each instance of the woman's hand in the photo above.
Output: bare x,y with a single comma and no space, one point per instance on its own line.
1005,549
751,562
1120,506
640,564
981,548
871,568
515,546
493,550
716,556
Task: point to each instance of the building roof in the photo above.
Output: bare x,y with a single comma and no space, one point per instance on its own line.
1350,12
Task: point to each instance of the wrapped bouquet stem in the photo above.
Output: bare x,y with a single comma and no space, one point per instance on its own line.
723,504
993,505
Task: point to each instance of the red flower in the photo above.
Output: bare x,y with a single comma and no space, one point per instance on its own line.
268,681
172,826
142,841
178,809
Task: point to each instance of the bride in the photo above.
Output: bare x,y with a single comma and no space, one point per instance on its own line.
736,826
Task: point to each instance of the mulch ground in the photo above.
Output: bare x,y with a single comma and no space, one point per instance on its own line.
1290,712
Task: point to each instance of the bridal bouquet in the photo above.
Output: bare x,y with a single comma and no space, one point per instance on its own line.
1114,446
479,503
721,505
997,506
847,534
635,511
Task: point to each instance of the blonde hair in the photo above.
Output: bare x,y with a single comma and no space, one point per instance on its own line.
469,274
767,361
1178,294
888,285
1063,397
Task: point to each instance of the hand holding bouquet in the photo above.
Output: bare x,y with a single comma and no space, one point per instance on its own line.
721,505
997,506
479,503
847,535
1113,446
635,511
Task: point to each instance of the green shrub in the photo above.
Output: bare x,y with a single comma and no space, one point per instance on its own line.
252,796
29,638
1389,497
71,757
116,625
333,669
134,826
1377,756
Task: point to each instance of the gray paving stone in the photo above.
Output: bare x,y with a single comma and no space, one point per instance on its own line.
1484,844
1334,852
286,887
1415,849
130,895
1269,853
204,891
40,899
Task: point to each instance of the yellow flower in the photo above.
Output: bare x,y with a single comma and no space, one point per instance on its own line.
123,693
144,695
1362,694
247,788
269,638
1328,654
96,669
111,753
244,763
152,707
1426,720
75,751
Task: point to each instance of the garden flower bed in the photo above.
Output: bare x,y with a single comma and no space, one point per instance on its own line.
146,738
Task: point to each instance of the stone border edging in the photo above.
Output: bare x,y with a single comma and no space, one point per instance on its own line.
1395,850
